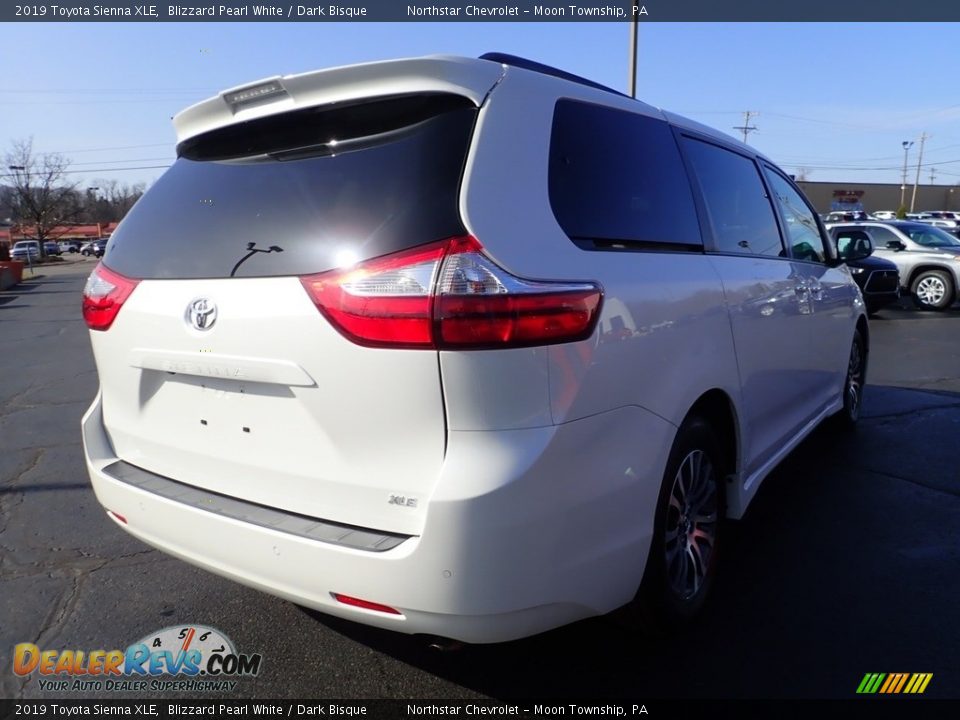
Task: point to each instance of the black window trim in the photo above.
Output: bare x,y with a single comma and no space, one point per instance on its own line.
710,244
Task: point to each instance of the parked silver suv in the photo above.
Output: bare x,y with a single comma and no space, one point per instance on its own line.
464,347
927,257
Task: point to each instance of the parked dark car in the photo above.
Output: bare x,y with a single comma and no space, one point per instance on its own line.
879,279
51,248
927,257
96,248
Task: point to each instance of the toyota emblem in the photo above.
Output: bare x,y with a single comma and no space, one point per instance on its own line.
202,313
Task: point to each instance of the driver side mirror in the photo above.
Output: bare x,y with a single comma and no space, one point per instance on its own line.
858,250
896,245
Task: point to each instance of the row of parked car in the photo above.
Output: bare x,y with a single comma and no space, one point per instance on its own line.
914,256
29,250
948,220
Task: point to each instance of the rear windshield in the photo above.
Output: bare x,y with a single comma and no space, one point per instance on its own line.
302,192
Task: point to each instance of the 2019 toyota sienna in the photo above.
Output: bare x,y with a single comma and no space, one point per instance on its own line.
472,348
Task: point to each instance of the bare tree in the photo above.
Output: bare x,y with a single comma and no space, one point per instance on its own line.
109,200
42,199
803,174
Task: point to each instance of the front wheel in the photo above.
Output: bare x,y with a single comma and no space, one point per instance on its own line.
683,553
933,290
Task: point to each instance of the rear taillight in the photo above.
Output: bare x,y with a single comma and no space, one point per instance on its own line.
103,296
450,295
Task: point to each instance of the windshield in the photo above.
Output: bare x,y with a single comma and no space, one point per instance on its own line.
932,237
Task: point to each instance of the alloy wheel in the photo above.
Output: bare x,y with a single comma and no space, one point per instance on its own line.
855,380
931,290
691,525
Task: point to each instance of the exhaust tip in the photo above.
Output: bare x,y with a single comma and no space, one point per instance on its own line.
442,644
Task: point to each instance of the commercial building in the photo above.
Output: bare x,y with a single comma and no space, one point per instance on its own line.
870,197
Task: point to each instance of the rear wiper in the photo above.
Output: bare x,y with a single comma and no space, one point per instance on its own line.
252,247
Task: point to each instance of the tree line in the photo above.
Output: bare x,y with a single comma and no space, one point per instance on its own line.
37,194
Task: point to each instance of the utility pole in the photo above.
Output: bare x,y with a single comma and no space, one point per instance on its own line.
746,128
907,144
913,198
933,174
634,32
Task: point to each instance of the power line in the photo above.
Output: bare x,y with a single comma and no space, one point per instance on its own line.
118,147
118,160
110,91
104,170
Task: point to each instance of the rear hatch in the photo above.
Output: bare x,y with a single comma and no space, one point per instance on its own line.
220,372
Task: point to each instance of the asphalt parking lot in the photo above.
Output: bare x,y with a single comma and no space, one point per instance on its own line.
846,564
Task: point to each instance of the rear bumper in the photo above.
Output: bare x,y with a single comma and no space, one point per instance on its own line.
527,530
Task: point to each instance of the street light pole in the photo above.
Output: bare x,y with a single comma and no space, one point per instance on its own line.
17,169
907,144
92,191
634,33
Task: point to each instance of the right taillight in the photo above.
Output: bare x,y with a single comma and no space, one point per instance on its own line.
104,295
450,295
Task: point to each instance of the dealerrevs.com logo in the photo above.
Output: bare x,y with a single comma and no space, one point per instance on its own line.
199,658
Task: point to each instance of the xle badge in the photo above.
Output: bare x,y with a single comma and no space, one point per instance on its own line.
402,501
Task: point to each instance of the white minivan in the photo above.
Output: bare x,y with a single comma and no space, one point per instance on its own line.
472,348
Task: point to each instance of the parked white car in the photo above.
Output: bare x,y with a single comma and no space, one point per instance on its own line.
25,250
471,348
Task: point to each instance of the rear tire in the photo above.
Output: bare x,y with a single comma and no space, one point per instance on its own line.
683,554
853,384
933,290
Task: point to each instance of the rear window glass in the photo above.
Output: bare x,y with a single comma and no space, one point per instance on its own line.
618,176
302,192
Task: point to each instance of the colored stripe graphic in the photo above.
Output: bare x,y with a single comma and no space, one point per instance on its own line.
894,683
903,679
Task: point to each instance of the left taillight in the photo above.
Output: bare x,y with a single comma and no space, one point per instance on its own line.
104,295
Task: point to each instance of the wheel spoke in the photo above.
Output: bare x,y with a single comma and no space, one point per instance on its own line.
676,504
702,537
676,568
695,566
672,538
690,533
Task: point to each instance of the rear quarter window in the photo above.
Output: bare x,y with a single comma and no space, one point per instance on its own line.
616,179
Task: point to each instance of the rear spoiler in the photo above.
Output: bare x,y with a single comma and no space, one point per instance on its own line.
469,77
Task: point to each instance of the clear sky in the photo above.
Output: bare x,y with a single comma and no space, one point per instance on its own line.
836,99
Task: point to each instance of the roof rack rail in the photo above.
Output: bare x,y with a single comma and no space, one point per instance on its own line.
516,61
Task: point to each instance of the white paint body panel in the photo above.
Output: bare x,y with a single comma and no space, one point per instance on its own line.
333,429
502,553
